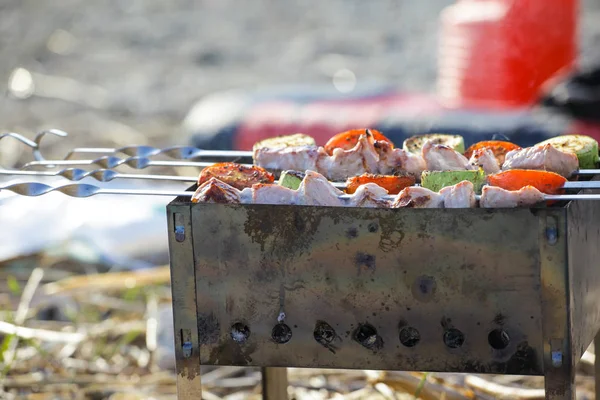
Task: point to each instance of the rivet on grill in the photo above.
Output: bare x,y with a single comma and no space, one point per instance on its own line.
281,333
179,227
240,332
409,336
367,336
498,339
324,333
187,349
454,338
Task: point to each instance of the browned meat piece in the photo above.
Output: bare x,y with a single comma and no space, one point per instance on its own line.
398,161
543,157
496,197
485,159
369,195
461,195
418,197
215,191
439,157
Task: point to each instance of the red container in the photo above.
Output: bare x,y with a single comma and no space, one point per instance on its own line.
498,53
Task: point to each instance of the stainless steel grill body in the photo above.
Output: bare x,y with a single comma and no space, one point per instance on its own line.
511,291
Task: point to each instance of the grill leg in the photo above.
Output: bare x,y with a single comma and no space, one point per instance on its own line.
597,364
560,383
274,383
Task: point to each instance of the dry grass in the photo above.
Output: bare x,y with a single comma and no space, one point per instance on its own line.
102,346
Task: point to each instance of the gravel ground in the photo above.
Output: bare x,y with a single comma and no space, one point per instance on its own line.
129,71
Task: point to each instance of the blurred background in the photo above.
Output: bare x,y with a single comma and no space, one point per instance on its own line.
84,283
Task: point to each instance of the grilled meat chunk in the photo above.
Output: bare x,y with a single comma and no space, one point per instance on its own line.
439,157
215,191
396,161
461,195
496,197
316,190
542,157
369,195
288,158
485,159
418,197
343,163
273,194
236,175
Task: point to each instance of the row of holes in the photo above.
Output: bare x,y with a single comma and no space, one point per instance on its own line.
367,336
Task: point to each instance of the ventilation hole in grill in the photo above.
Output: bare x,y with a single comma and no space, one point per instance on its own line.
281,333
454,338
409,336
240,332
324,333
498,339
366,335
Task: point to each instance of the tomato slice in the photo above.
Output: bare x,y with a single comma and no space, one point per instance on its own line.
516,179
498,147
393,184
347,140
236,175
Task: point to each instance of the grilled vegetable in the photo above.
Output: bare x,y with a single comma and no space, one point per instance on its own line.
236,175
347,140
414,144
583,146
498,147
291,179
393,184
436,180
516,179
280,142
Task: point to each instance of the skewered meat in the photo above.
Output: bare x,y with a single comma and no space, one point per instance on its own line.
439,157
289,158
273,194
316,190
369,195
215,191
485,159
418,197
496,197
498,147
394,161
236,175
361,158
461,195
542,157
367,156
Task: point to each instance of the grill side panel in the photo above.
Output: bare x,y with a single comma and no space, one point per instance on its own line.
584,271
435,277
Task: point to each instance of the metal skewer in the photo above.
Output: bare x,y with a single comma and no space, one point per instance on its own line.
111,162
34,189
107,175
177,152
